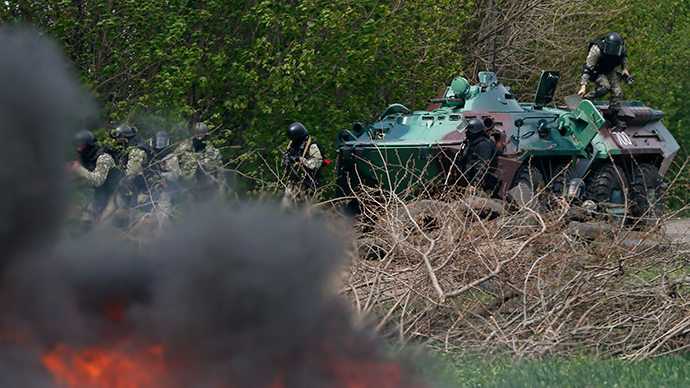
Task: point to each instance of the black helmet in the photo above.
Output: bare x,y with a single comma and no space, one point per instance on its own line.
123,130
475,126
160,140
84,137
296,130
199,129
613,44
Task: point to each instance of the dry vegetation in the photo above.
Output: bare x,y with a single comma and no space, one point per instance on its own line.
463,275
518,39
457,272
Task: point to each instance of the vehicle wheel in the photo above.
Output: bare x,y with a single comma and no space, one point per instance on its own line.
530,176
607,184
647,191
531,183
563,173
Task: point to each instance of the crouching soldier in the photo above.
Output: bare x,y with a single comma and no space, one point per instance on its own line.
604,55
479,159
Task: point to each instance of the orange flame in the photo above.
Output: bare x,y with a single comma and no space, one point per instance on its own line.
96,367
121,366
368,374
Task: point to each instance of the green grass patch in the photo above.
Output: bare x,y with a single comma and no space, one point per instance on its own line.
560,372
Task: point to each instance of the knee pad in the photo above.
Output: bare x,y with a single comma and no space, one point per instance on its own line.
601,92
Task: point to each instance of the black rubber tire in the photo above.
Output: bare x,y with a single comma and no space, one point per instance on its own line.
530,176
607,184
647,191
562,174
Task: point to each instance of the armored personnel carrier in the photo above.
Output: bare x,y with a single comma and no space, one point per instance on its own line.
541,145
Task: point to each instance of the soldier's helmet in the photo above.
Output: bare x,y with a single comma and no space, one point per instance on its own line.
475,126
84,137
160,140
199,129
123,130
613,44
296,130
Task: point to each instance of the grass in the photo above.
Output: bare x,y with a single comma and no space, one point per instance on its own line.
562,372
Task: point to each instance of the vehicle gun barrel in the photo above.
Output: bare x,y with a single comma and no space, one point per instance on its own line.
644,115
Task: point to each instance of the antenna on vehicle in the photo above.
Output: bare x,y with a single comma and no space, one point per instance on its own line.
493,62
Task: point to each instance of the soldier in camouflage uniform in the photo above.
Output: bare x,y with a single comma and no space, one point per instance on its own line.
302,160
604,56
202,167
134,157
162,173
96,165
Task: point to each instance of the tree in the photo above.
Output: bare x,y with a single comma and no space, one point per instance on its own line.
520,38
249,68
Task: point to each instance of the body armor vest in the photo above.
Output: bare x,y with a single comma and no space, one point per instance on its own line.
607,63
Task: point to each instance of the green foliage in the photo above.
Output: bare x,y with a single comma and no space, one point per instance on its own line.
249,68
658,36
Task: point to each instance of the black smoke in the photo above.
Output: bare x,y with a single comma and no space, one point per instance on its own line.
235,295
239,297
39,101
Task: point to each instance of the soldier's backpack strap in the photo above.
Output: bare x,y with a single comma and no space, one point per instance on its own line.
306,148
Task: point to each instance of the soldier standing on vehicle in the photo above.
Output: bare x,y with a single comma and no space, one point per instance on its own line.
479,159
96,165
201,165
303,161
604,56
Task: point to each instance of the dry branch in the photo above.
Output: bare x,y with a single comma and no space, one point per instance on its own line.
444,270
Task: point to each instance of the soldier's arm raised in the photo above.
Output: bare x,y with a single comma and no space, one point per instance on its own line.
137,158
172,167
97,177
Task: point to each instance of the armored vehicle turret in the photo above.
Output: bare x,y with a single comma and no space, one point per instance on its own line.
541,145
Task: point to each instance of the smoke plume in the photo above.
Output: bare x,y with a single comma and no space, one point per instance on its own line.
39,100
230,298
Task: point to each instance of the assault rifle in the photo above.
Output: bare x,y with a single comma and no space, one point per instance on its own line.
288,161
306,178
628,79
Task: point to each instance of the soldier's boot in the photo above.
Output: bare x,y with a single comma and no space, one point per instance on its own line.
616,124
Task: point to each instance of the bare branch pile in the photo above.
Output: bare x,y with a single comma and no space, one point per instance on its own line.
464,275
